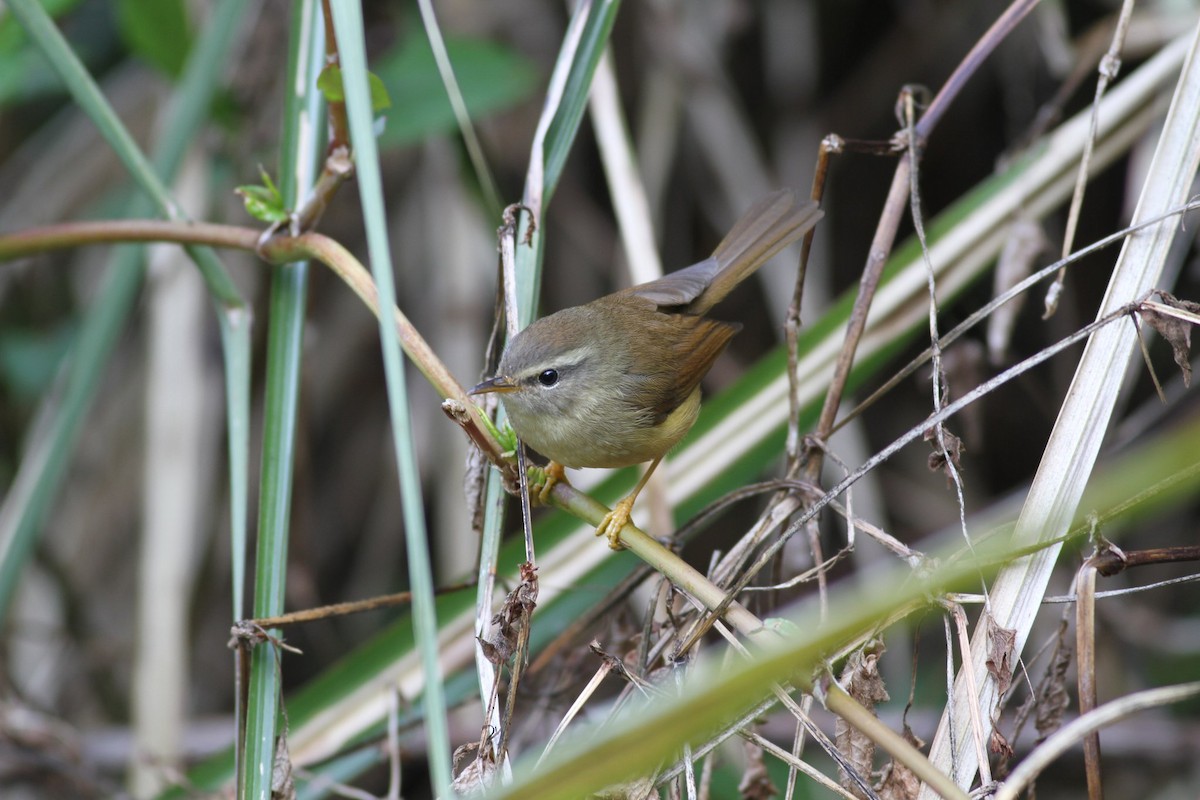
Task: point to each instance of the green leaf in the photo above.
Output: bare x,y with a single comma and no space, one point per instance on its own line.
380,99
264,202
492,78
156,31
329,82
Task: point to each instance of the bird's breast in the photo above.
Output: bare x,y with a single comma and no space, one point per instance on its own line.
603,431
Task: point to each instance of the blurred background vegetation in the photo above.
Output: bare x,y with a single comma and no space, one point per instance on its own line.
725,100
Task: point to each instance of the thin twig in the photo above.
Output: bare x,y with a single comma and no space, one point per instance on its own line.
1110,65
830,146
939,383
351,607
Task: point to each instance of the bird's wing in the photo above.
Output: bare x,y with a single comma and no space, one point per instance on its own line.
679,287
693,344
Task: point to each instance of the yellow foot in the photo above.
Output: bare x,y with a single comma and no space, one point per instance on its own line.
554,472
610,527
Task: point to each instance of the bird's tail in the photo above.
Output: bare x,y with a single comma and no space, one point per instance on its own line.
769,226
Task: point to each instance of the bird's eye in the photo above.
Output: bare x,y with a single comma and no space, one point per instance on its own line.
548,377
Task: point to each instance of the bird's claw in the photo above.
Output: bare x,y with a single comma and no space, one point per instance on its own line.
610,527
552,473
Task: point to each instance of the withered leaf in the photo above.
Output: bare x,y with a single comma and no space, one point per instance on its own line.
478,775
512,618
756,781
1052,697
999,744
939,458
283,787
1177,331
898,782
862,681
1000,654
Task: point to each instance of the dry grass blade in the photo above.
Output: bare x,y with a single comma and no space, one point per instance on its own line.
1085,653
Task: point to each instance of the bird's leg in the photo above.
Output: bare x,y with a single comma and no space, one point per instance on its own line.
553,472
610,527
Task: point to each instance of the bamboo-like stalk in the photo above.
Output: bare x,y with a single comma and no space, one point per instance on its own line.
259,692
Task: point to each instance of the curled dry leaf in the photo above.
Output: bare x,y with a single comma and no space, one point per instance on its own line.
283,787
862,681
999,745
474,482
1000,654
1052,697
512,618
939,458
477,776
756,781
1176,329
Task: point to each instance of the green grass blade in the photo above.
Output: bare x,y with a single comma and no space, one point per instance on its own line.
483,173
348,21
560,135
284,339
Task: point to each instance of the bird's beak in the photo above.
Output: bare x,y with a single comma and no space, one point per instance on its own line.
499,384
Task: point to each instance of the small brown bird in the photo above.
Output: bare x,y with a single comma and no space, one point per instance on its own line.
616,382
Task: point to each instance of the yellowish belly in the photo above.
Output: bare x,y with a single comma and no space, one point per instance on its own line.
611,443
